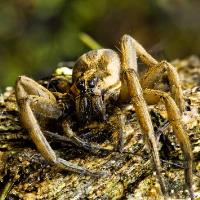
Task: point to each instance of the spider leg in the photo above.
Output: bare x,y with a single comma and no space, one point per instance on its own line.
74,138
134,91
154,73
174,116
120,129
156,70
32,97
118,121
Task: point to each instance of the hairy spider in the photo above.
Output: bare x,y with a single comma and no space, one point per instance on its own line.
101,77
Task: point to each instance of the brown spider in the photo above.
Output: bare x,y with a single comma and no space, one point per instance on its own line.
99,78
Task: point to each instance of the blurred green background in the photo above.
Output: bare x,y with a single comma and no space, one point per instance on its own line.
36,34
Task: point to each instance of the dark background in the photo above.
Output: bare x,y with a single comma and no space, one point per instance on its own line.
36,34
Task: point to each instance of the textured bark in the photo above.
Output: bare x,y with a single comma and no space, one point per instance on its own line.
24,173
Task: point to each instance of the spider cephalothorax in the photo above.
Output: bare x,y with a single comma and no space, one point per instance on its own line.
96,82
104,78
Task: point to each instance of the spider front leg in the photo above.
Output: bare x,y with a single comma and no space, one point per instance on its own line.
117,119
132,90
155,72
32,98
174,116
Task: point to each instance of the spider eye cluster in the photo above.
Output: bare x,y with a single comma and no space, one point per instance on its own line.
87,85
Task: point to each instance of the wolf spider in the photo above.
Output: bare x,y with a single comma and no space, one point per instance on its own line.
99,78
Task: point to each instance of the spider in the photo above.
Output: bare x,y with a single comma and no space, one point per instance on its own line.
101,77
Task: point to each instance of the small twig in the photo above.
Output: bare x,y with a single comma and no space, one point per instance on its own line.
89,41
6,190
163,127
179,166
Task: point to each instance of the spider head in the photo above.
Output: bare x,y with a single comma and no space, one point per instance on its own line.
89,103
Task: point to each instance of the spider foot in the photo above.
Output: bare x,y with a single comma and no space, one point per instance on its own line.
65,165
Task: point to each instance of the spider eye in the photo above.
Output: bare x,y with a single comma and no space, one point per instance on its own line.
81,85
92,83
